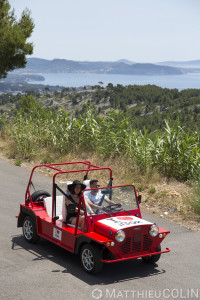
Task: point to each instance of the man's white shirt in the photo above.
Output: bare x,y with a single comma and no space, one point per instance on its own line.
94,198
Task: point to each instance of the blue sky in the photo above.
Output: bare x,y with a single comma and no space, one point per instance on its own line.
108,30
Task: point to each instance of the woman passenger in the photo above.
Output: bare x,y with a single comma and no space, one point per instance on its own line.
72,201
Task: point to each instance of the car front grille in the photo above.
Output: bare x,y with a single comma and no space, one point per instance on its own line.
126,246
135,243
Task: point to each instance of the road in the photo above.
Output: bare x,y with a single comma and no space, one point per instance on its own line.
45,271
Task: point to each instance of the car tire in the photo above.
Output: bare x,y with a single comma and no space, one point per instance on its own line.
152,258
91,256
39,195
29,230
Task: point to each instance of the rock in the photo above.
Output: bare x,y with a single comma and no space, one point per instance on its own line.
153,199
179,208
174,194
166,213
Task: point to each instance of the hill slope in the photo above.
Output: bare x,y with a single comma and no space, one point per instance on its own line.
181,64
38,65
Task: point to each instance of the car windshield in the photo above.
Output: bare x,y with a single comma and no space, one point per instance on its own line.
110,199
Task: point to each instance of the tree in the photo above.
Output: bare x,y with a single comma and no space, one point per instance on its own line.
13,36
110,86
27,105
46,89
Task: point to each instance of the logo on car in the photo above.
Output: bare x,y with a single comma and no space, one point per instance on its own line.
57,234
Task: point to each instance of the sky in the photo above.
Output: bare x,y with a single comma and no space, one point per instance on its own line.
109,30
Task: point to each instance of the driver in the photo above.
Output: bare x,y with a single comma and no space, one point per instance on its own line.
93,198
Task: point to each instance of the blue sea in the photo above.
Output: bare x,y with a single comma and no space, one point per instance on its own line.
180,82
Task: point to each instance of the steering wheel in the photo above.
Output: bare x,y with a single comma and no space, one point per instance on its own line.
113,207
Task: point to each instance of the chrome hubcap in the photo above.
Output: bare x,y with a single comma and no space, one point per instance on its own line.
87,259
28,230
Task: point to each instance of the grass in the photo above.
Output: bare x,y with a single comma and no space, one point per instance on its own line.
172,152
18,162
195,201
152,190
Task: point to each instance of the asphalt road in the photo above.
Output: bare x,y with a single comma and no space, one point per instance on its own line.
45,271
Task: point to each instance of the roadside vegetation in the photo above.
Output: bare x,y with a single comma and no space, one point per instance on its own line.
173,152
36,131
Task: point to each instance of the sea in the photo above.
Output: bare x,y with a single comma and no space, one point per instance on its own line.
180,82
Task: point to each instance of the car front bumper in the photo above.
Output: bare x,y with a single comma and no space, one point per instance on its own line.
135,256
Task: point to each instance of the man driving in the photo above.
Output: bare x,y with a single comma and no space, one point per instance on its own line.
94,198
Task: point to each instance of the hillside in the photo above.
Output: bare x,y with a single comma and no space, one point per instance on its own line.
147,106
181,64
37,65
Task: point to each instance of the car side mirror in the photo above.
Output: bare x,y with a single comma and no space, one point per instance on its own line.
139,198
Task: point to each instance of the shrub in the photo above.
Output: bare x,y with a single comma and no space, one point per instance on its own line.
18,162
152,190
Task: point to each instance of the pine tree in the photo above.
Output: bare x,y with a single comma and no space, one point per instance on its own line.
13,36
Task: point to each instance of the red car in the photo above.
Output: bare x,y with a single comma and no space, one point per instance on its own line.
114,234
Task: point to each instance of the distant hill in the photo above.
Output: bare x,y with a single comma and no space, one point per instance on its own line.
144,69
38,65
181,64
128,62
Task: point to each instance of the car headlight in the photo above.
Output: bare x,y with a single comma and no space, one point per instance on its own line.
154,230
120,236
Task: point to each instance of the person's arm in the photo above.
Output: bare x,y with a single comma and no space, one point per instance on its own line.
87,204
111,202
94,205
67,202
81,211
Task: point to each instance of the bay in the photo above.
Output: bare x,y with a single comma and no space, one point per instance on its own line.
180,82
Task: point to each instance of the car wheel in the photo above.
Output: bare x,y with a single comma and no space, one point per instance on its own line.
39,195
29,230
152,258
91,259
